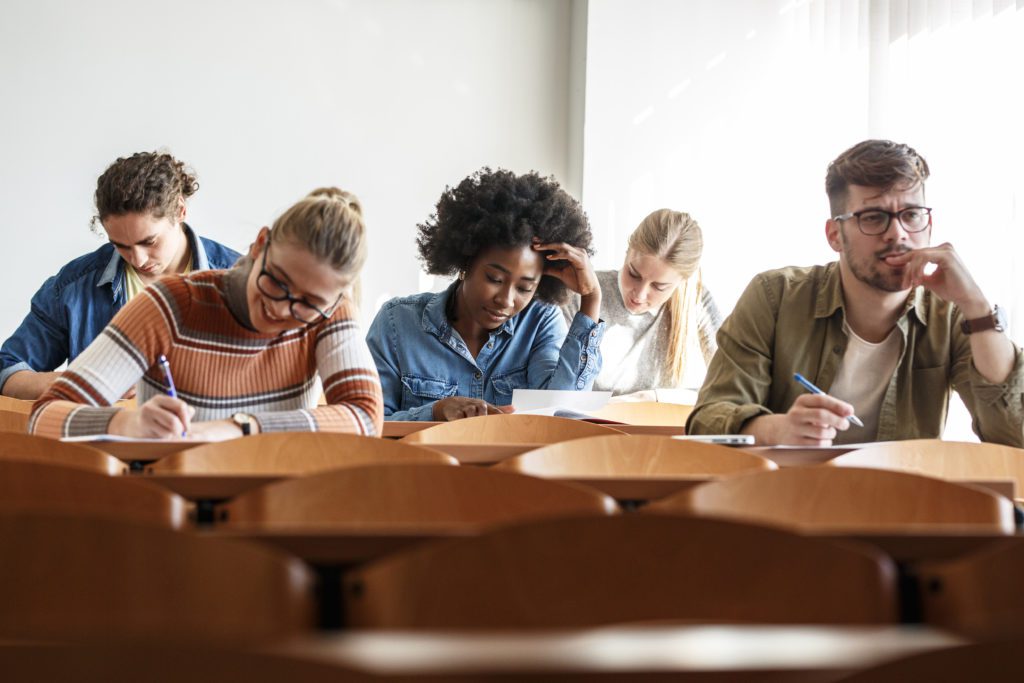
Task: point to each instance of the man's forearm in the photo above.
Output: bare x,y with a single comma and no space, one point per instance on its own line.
994,355
28,385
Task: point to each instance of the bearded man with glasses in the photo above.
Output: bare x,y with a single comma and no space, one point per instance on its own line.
887,331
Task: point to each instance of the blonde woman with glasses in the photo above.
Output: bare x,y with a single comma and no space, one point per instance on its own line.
246,345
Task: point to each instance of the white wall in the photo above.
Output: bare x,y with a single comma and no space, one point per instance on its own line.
729,111
392,99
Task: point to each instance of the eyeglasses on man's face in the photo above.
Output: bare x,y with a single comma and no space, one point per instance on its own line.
876,221
274,289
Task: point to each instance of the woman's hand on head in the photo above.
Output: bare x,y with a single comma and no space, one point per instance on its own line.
458,407
161,417
569,264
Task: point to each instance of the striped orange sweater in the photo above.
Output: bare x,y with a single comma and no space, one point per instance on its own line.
220,367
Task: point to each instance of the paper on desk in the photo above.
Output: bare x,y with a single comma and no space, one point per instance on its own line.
118,438
549,401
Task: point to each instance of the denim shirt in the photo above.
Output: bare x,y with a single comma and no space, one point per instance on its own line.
73,306
421,358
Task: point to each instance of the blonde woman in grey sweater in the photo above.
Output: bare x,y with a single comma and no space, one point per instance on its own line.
657,312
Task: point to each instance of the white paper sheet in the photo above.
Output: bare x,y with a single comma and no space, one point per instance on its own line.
548,401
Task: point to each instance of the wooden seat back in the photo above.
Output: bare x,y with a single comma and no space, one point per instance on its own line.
510,429
51,451
644,413
950,460
977,595
88,578
293,453
13,421
16,405
846,499
634,456
568,573
56,488
164,661
410,495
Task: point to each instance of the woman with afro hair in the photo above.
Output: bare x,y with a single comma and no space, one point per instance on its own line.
517,245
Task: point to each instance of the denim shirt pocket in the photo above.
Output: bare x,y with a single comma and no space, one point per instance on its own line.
505,384
418,391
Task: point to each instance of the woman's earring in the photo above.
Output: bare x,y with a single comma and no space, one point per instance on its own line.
462,275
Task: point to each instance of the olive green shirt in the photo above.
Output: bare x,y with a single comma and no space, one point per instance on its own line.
791,320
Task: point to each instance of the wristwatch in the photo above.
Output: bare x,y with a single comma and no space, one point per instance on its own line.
245,421
996,320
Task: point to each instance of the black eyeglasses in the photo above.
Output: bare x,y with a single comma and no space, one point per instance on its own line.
876,221
274,289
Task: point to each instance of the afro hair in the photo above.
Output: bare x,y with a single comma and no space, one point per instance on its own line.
500,208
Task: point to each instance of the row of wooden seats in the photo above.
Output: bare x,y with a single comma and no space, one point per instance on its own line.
822,498
392,490
90,578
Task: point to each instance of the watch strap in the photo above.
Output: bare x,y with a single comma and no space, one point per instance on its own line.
992,321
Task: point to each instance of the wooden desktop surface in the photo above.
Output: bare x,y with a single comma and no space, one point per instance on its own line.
687,652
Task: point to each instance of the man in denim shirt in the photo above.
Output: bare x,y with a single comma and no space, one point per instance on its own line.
141,205
517,243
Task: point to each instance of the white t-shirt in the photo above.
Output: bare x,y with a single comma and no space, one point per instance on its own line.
861,380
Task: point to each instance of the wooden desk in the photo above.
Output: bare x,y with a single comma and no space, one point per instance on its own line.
142,451
693,652
396,430
798,456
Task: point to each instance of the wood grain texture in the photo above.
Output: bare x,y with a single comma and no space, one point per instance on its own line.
508,428
635,456
50,451
950,460
977,595
292,454
67,490
644,413
570,573
846,499
419,495
86,578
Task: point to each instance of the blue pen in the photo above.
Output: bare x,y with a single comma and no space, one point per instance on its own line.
166,367
168,380
806,384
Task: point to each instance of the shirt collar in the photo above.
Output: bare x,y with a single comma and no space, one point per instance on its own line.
115,266
435,320
830,297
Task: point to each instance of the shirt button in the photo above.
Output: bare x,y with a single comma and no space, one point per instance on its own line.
479,375
594,333
490,345
583,358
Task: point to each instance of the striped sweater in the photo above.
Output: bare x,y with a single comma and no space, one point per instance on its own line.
220,367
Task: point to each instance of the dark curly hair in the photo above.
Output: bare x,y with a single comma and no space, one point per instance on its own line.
500,208
145,182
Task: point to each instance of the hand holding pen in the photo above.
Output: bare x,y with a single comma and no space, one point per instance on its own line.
161,417
813,420
806,384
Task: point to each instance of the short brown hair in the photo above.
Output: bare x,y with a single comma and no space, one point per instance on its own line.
147,183
873,163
